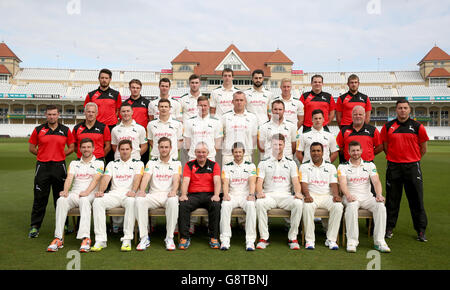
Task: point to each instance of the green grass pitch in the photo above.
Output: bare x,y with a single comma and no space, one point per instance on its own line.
20,252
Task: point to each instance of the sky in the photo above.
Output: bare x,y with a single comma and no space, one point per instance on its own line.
318,36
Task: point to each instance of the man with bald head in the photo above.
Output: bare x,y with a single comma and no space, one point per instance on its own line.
367,135
200,188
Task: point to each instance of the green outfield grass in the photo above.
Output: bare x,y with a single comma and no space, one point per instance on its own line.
20,252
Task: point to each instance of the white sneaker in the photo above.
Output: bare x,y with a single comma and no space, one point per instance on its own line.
309,246
225,245
250,246
262,244
126,246
143,244
331,245
383,248
293,245
351,248
170,245
98,246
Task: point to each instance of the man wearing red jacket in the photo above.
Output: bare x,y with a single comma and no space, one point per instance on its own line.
405,143
317,99
48,142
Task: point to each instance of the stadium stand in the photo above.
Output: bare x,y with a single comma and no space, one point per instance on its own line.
43,74
408,77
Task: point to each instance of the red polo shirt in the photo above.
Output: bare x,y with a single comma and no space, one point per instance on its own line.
108,103
51,143
99,133
368,137
201,178
346,102
140,110
312,101
403,140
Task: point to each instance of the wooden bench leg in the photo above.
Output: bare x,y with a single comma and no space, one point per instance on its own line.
343,232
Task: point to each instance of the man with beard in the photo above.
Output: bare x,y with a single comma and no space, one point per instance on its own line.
108,102
48,142
258,97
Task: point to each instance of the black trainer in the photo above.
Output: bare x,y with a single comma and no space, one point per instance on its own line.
389,234
421,237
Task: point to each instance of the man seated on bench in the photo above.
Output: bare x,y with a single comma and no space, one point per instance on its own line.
84,174
163,174
239,179
319,185
200,189
125,175
277,175
354,179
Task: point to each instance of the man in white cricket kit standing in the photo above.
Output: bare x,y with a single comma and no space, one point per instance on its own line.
203,128
83,176
130,130
277,125
175,106
165,126
319,186
354,179
293,108
125,175
239,180
258,97
163,174
222,97
317,133
239,125
277,176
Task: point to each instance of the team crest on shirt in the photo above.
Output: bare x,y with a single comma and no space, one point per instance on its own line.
366,131
411,128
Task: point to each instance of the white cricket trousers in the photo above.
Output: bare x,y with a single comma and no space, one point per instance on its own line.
111,200
279,200
250,217
64,204
152,201
378,210
335,209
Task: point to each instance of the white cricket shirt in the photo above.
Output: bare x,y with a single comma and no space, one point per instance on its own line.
270,128
172,129
327,139
84,172
162,174
277,175
134,132
238,175
206,130
318,178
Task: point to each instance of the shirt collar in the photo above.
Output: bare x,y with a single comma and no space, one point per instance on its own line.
320,166
133,123
126,162
245,112
82,160
315,130
353,165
